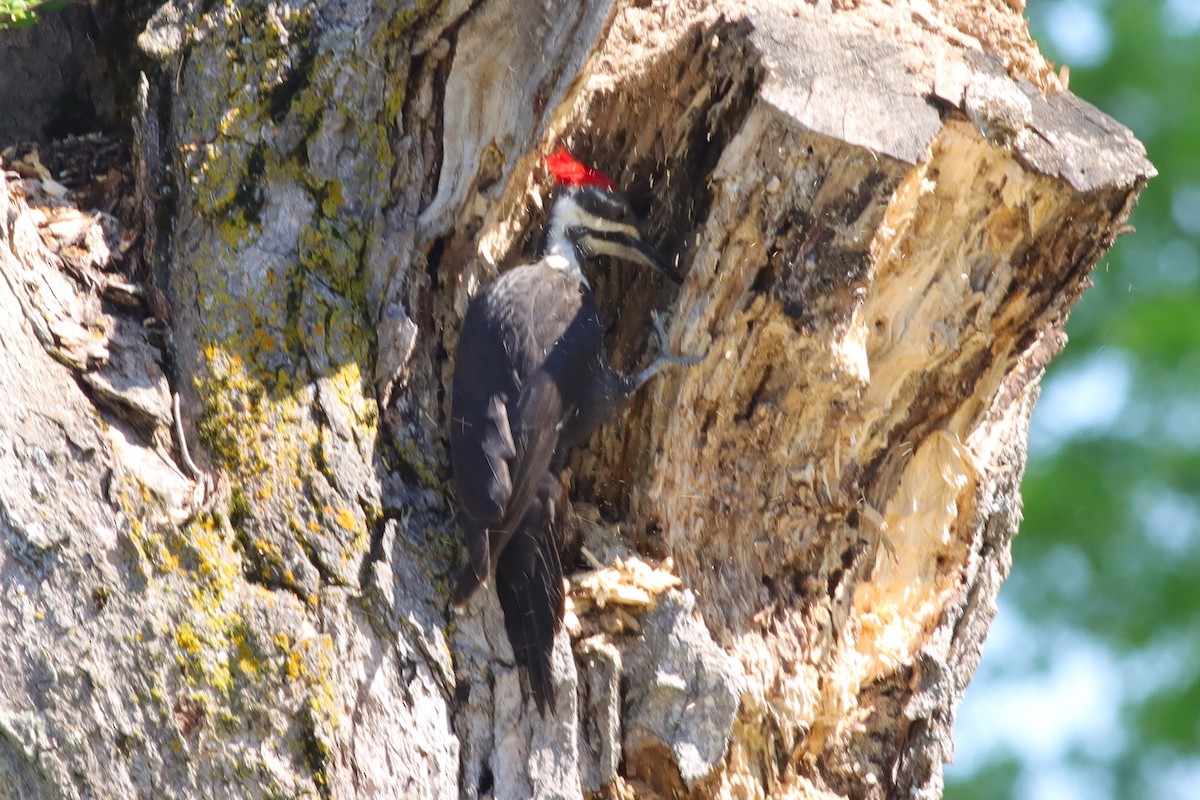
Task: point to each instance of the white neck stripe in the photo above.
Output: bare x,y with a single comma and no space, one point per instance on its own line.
564,263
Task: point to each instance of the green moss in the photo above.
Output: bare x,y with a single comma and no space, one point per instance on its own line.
236,410
239,508
320,719
23,13
227,159
333,247
295,80
149,533
417,463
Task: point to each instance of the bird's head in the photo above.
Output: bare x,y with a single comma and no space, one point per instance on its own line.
591,218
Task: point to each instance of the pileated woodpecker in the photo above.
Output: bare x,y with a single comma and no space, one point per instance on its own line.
531,380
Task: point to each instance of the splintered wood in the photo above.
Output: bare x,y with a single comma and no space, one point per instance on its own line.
611,596
882,237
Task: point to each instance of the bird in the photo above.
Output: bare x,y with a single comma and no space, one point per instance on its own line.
531,381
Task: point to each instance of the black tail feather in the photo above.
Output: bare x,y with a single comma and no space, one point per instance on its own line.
475,570
529,584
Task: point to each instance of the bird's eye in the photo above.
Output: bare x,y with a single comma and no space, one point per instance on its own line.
627,213
622,211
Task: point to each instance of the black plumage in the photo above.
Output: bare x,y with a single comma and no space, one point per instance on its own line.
531,380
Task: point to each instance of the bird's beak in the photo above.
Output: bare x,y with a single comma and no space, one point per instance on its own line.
629,246
652,258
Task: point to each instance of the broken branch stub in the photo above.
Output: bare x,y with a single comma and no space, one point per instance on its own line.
880,260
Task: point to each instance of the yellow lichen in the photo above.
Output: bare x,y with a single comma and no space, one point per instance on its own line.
186,639
345,519
293,668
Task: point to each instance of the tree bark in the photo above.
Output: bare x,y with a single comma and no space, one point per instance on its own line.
885,213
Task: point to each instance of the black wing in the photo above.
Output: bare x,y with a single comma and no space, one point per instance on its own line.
526,341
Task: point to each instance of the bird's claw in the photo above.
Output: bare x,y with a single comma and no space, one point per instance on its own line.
667,356
665,359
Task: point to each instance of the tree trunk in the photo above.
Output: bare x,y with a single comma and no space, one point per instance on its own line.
884,213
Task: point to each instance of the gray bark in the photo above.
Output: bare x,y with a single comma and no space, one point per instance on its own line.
884,213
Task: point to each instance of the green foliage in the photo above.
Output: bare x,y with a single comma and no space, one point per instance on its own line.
1110,547
23,13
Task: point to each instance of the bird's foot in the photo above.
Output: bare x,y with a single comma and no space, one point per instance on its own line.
666,358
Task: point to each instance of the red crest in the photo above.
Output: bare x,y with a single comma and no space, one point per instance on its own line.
570,172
